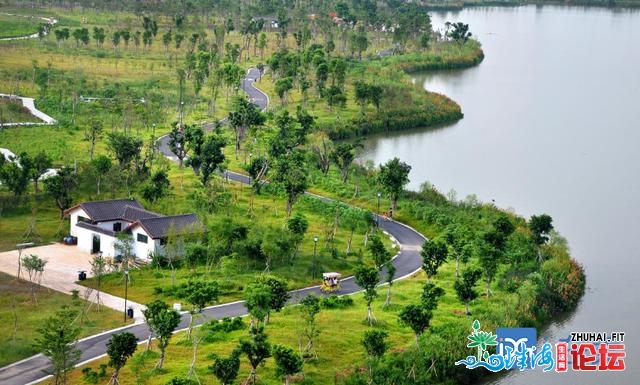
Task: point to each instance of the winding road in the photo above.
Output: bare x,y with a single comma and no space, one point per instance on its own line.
407,262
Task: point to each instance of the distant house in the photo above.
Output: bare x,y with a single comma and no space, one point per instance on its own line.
96,225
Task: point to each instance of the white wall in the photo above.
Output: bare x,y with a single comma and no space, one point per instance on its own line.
143,250
74,219
109,225
85,242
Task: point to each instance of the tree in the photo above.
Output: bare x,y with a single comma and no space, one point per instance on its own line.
124,245
13,176
492,248
540,226
393,176
166,40
212,157
375,345
99,35
367,278
177,142
257,350
460,32
288,362
378,251
282,88
258,299
417,318
92,135
60,187
35,268
125,147
101,165
200,294
120,347
62,34
157,187
194,141
244,116
57,341
163,324
434,254
115,40
226,369
343,157
430,296
297,225
150,314
278,290
291,176
464,287
98,270
41,163
310,307
458,239
335,96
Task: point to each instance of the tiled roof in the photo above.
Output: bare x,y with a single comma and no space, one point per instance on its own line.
100,211
133,214
95,228
160,227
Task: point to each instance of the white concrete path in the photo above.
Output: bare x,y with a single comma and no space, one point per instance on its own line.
61,273
29,103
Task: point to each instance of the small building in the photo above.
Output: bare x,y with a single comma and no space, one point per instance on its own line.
97,224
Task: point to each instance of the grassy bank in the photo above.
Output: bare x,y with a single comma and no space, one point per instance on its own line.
14,112
21,318
14,26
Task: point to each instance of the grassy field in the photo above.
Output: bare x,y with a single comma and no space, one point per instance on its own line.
12,25
21,318
14,112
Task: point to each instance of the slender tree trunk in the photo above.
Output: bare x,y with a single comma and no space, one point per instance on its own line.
161,361
466,307
387,302
149,341
114,377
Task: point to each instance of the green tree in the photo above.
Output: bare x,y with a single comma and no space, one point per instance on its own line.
99,35
257,298
200,294
245,116
492,248
375,345
417,318
124,245
35,268
115,40
465,287
278,290
309,309
92,134
434,254
282,88
288,362
257,350
393,176
291,176
430,296
367,278
163,324
212,157
157,186
177,142
226,369
13,176
150,314
458,239
297,225
56,340
101,166
120,347
460,32
124,147
343,156
540,226
60,187
98,270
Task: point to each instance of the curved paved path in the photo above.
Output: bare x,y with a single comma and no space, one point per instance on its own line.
407,262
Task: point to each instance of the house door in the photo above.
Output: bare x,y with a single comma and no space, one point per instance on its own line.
95,247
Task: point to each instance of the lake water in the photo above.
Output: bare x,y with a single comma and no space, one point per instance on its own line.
551,126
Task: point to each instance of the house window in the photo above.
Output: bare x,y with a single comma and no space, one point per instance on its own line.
142,238
117,226
83,219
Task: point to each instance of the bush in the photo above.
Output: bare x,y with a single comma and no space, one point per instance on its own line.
337,302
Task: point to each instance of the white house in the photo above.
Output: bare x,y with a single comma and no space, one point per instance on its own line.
96,225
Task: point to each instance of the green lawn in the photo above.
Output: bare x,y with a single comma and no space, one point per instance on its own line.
20,318
14,112
14,25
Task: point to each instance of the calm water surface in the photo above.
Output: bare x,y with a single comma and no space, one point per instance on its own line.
551,125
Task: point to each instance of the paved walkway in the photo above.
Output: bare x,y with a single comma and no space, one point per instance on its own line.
50,21
61,273
29,103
